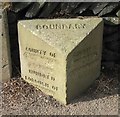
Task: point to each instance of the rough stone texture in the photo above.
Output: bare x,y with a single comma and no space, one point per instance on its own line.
112,20
97,7
35,9
48,9
118,13
6,59
62,62
109,8
82,8
19,6
68,7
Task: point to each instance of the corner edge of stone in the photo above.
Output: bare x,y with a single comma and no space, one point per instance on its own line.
21,23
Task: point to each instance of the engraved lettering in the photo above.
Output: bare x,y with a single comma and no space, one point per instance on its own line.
37,65
45,27
64,26
60,26
43,75
52,54
52,26
52,78
71,27
54,88
41,83
44,52
37,81
41,52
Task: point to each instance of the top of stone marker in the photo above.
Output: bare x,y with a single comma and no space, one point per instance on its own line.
63,34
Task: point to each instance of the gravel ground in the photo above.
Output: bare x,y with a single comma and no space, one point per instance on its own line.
20,98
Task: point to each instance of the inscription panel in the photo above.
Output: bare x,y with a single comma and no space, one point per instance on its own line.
42,66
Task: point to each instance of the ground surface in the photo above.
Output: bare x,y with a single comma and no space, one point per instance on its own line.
18,97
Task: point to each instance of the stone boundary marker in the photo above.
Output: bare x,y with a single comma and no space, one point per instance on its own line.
61,57
6,58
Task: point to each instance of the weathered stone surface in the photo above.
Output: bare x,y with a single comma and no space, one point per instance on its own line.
48,9
68,7
34,9
0,43
97,7
112,20
61,57
82,8
109,8
18,6
118,13
6,59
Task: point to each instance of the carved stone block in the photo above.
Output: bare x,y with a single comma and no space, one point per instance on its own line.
61,57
